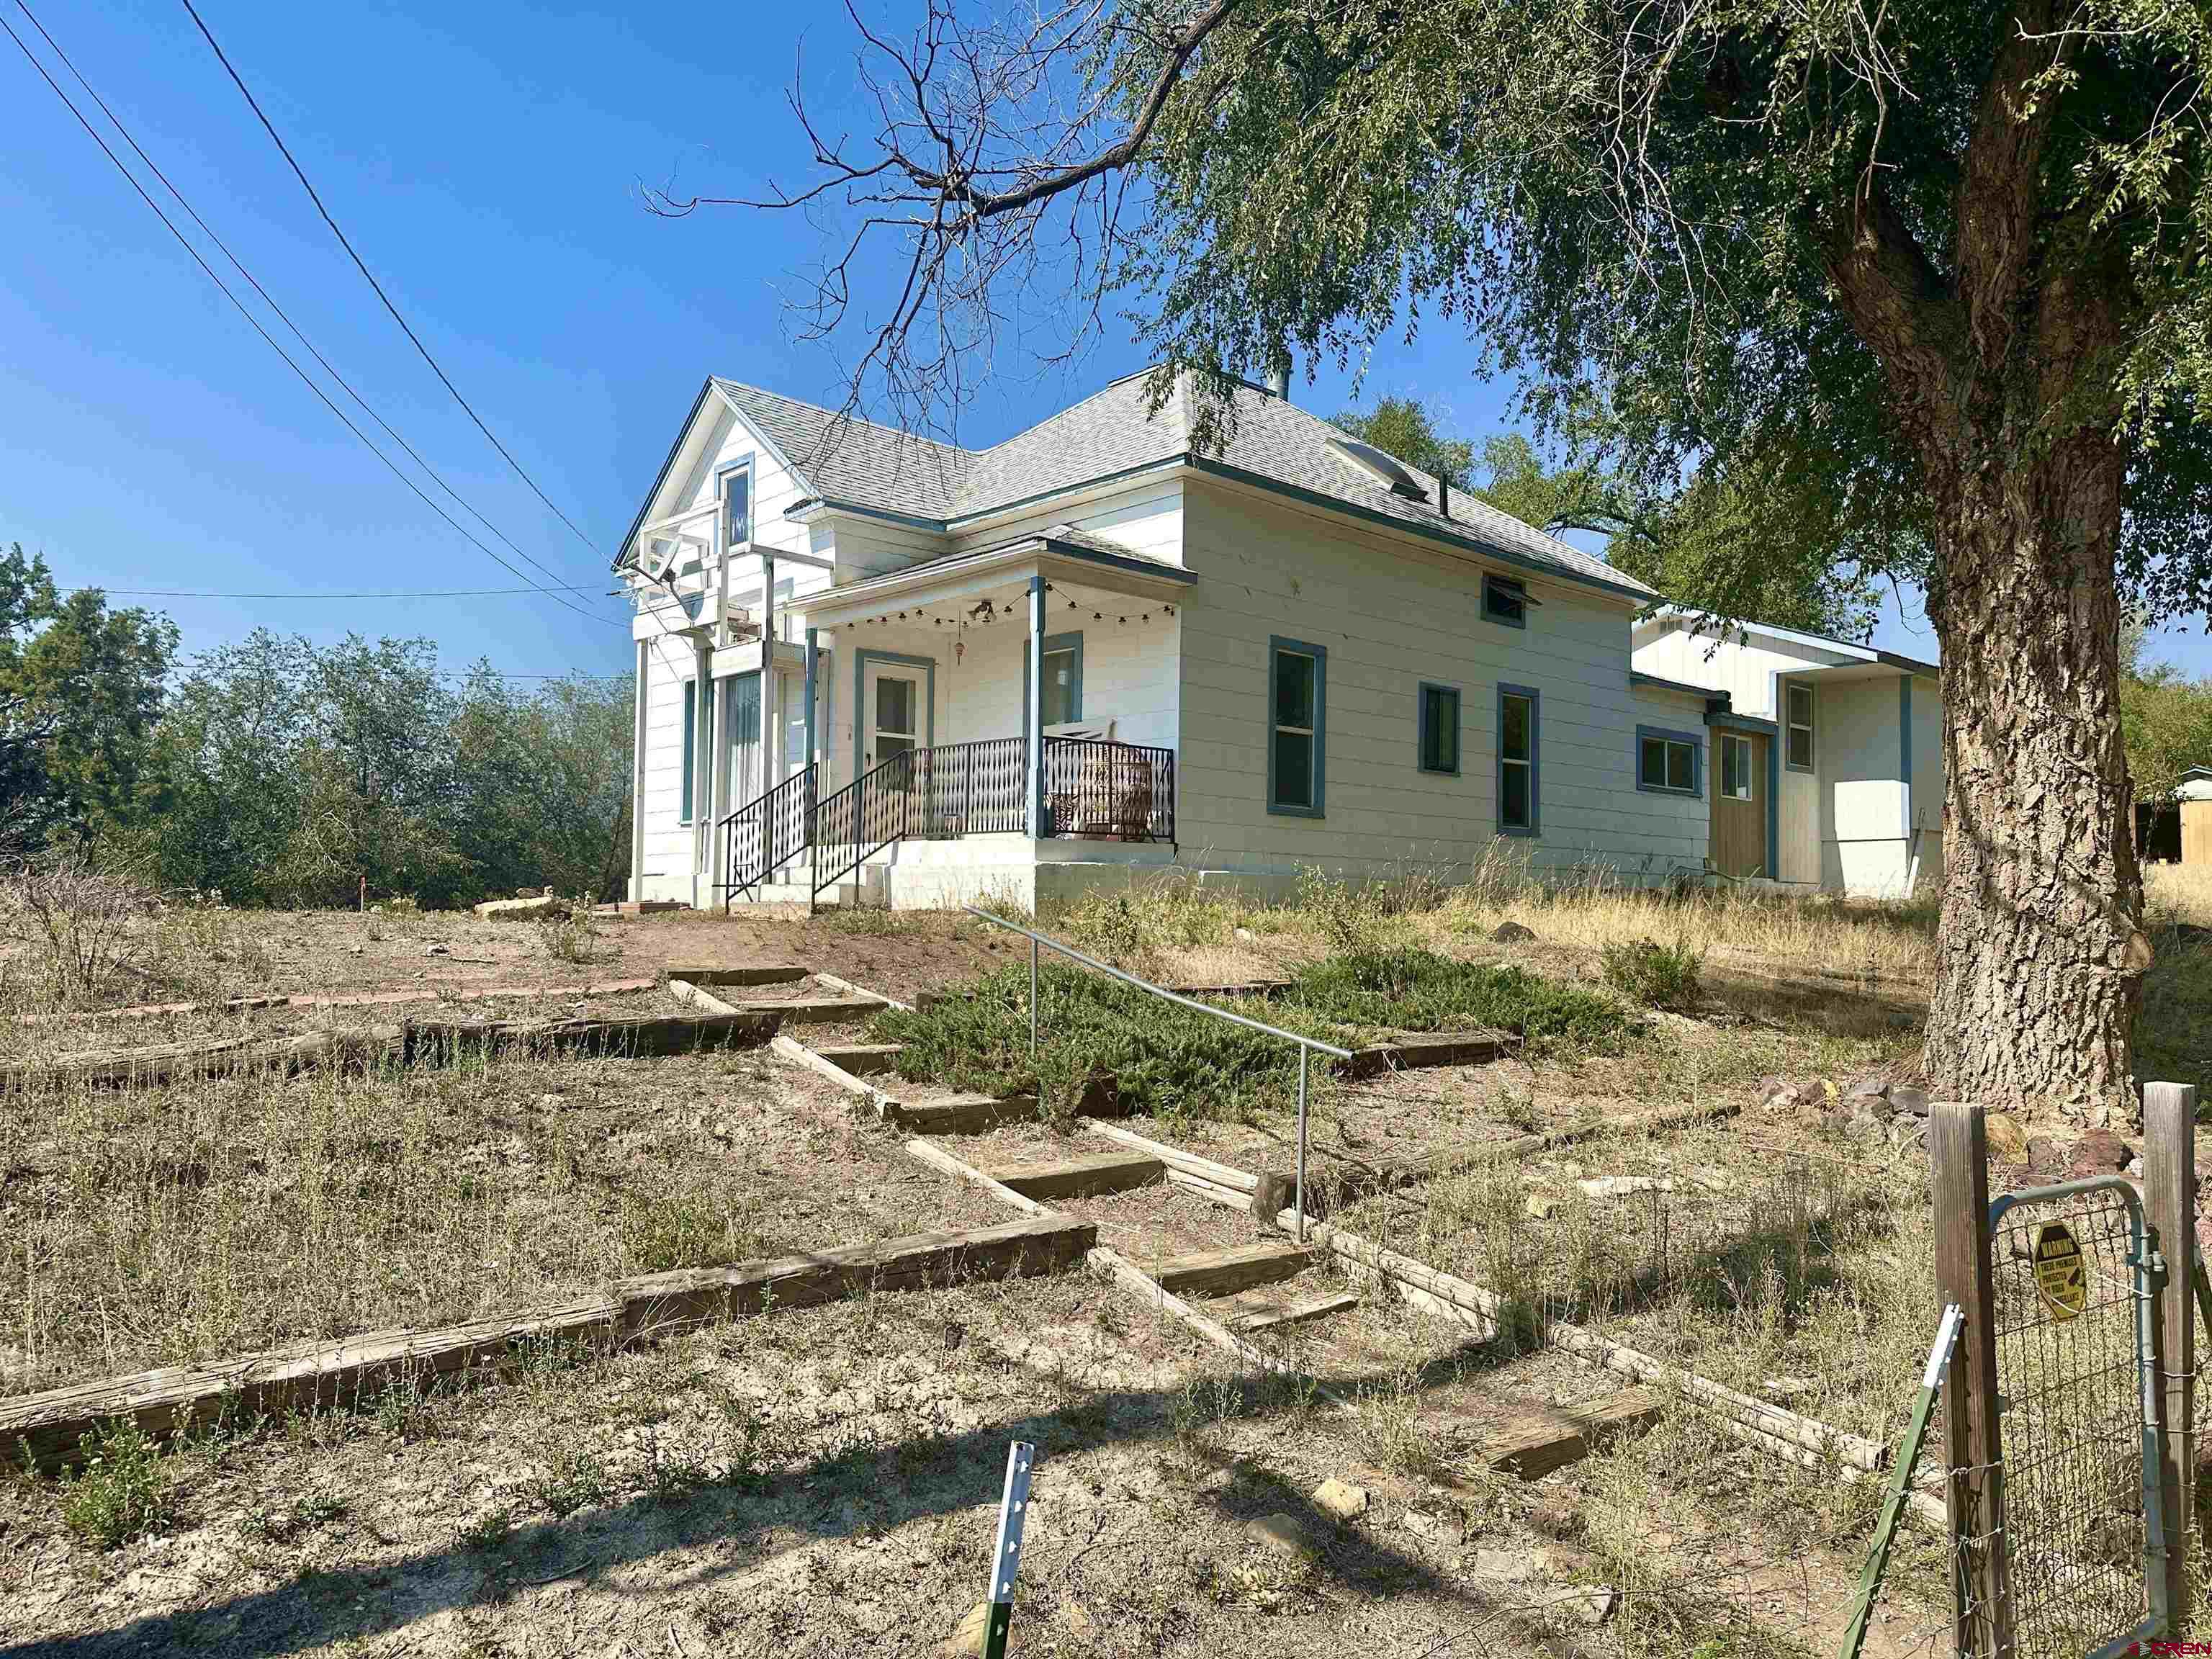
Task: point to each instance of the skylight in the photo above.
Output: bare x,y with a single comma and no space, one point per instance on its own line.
1383,467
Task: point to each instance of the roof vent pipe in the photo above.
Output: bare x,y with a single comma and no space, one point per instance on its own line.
1279,375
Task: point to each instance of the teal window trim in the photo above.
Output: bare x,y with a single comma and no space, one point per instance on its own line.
1072,642
1507,585
690,750
1666,734
1277,645
1809,726
1421,728
1533,828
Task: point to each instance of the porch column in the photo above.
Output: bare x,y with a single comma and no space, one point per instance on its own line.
812,756
771,682
1033,738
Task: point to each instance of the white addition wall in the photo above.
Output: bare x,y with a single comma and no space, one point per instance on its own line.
1392,612
1745,669
1927,792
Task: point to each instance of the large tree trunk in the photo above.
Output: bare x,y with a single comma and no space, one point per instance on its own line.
2041,953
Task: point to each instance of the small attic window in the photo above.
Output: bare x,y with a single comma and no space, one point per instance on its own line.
1383,467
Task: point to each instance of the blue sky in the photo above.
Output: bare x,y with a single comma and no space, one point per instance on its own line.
485,160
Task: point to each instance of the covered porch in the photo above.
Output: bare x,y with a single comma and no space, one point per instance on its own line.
1028,690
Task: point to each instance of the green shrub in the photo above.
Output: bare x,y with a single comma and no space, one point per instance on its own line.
1658,975
123,1492
1166,1059
1412,989
1172,1060
566,933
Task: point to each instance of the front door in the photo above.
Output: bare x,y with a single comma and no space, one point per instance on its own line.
1739,814
892,712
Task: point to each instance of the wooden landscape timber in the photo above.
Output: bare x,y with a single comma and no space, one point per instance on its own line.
771,973
442,1041
163,1063
649,1308
852,990
1542,1438
1460,1301
386,998
863,1059
1073,1177
1413,1052
1367,1178
797,1052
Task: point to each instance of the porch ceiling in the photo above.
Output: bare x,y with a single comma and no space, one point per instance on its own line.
947,589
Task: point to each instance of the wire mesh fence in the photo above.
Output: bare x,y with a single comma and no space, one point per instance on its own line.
2070,1380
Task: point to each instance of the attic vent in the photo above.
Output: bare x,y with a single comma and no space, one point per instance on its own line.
1381,467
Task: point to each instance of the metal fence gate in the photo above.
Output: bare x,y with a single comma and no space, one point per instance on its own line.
2073,1291
2071,1506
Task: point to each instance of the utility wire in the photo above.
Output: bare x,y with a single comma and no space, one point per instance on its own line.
269,300
423,593
361,265
305,379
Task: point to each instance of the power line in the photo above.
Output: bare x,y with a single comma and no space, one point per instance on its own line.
290,362
361,265
422,593
329,367
268,299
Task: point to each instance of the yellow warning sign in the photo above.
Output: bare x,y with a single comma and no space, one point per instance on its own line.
2060,1273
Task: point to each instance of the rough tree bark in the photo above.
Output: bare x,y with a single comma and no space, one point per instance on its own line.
2041,952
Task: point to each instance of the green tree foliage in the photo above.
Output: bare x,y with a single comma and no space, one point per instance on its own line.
1723,547
79,689
1400,427
2167,718
287,773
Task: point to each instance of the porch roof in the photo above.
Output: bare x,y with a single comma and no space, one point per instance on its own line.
1072,554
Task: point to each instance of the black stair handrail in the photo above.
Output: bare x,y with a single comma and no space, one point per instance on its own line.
876,805
766,833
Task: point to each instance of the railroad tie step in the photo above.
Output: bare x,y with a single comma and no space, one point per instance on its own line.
1266,1313
1224,1272
959,1114
818,1011
1073,1177
861,1059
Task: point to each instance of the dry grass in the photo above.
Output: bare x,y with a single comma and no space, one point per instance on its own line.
143,1227
1169,924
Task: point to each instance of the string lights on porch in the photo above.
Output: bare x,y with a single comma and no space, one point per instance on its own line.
985,612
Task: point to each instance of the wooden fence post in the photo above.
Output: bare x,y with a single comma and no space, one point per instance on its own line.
2170,1205
1974,1491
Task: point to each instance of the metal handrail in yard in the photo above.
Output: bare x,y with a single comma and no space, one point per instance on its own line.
1306,1045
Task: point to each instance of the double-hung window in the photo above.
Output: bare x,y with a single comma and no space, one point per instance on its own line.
1667,761
1799,753
1735,766
1063,680
1517,791
736,502
1297,708
1439,728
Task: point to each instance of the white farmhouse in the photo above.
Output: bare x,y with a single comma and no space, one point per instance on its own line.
873,667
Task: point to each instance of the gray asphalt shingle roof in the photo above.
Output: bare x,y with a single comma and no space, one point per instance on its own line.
1111,432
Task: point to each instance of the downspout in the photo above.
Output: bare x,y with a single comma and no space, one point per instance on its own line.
637,781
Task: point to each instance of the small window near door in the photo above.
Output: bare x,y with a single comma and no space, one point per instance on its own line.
1799,753
1668,762
1297,699
1439,729
1517,807
690,748
1505,600
1736,767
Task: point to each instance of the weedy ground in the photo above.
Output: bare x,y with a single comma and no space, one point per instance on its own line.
824,1481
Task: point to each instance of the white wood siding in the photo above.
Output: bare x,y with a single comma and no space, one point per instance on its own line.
1391,614
1745,670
